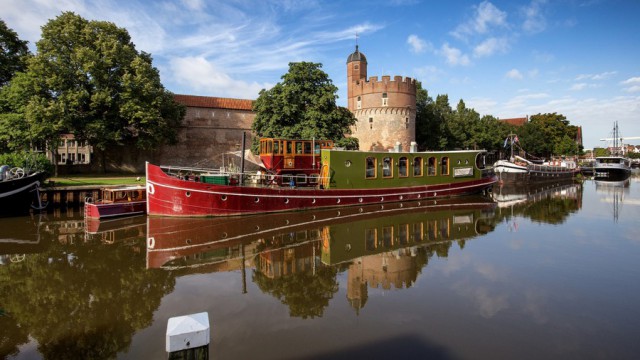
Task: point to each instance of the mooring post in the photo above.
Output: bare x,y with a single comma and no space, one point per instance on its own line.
188,336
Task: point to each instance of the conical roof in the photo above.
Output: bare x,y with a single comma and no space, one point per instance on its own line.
356,56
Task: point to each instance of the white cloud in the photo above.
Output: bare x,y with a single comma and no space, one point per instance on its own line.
454,56
417,45
205,77
602,76
486,16
534,21
633,80
579,86
632,89
491,46
514,74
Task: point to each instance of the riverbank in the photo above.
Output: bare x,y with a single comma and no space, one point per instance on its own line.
95,180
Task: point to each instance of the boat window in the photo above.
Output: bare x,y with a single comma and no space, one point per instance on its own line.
307,147
403,234
313,178
276,147
371,167
417,231
387,167
317,149
301,179
417,166
269,146
298,147
387,236
431,170
288,147
370,238
480,161
444,169
402,167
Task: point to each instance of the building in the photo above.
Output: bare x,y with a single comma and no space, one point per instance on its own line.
385,109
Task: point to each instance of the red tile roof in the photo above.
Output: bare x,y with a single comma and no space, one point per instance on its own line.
213,102
516,121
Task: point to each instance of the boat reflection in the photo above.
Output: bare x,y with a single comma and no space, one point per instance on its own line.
613,193
549,203
111,230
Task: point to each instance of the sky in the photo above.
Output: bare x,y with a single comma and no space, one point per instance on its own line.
578,58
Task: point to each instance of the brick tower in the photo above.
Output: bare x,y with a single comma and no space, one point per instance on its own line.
385,109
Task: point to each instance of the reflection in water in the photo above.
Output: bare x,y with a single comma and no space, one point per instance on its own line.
70,287
296,256
549,203
614,193
76,296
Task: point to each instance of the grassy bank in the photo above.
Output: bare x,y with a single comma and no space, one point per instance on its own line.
85,180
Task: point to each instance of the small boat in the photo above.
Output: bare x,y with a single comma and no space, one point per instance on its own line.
518,169
117,201
302,174
615,167
19,190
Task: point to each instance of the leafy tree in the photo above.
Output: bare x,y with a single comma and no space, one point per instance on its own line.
302,106
91,81
13,53
431,129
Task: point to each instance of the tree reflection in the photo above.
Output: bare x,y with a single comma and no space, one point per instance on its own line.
306,294
84,300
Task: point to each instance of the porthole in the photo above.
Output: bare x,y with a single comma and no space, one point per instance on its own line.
224,235
347,163
313,217
401,205
338,202
313,201
338,213
360,210
223,197
459,161
360,200
419,196
401,197
347,247
466,161
188,241
257,228
256,200
286,201
188,193
286,222
381,198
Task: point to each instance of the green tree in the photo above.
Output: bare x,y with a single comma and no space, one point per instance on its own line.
302,106
13,53
92,82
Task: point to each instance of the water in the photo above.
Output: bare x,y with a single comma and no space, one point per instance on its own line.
549,272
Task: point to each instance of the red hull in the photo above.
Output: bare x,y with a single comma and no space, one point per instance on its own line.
171,196
99,210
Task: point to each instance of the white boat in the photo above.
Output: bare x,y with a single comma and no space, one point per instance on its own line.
615,167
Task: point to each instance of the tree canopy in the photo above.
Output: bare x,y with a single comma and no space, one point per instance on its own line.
302,106
13,53
88,79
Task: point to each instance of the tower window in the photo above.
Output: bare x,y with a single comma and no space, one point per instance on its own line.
359,103
384,99
356,66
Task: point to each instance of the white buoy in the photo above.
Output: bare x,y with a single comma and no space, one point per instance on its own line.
187,332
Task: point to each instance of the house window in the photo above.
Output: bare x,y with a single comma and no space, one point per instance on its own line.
387,167
370,168
384,99
402,167
417,166
431,170
444,168
359,103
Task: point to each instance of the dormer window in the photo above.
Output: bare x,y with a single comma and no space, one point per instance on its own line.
385,99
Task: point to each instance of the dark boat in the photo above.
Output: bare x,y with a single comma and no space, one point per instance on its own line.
117,202
19,191
615,167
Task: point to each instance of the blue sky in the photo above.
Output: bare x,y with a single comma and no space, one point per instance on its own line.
515,58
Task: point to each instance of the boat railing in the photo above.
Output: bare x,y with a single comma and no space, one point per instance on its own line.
249,178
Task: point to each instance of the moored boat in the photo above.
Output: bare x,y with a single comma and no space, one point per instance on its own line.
19,190
315,178
518,169
117,201
615,167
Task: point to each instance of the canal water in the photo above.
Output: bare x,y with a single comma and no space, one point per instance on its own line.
549,272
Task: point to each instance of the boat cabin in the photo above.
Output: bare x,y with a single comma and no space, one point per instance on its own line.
123,194
293,160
